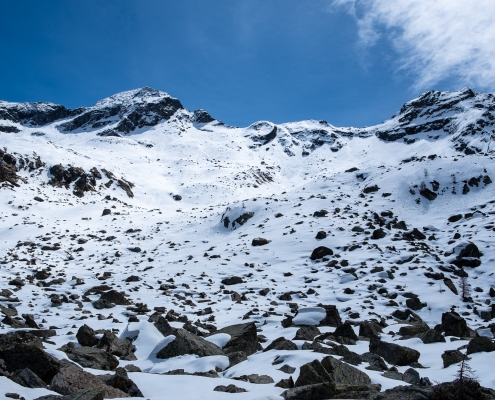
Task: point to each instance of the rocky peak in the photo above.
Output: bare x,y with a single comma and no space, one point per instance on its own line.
33,113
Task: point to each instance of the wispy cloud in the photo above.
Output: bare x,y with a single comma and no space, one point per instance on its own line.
435,39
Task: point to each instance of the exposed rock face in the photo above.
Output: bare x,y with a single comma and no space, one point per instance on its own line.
243,340
33,114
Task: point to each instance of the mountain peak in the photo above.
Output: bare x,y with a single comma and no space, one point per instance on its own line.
129,97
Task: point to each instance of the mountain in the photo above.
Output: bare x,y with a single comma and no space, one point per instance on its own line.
139,234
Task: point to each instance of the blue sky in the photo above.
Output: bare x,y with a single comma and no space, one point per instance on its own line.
242,60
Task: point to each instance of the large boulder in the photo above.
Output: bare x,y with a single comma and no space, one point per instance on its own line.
450,357
90,357
332,317
321,252
370,329
188,343
122,382
307,333
454,325
27,378
431,336
71,379
110,298
122,348
281,343
394,353
243,338
345,330
480,344
86,394
86,336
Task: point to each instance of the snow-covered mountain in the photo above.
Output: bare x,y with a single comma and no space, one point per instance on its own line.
165,226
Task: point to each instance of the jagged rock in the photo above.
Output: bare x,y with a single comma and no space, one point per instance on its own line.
378,234
413,330
370,330
71,379
122,382
122,348
27,378
375,361
480,344
393,353
431,336
448,282
187,343
404,393
243,339
345,330
454,325
332,317
307,333
111,297
281,343
450,357
428,194
321,252
90,357
411,376
86,336
415,304
287,369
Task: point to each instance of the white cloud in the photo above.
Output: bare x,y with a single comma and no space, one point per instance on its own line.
435,39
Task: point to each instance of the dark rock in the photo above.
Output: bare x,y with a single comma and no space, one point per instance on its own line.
332,317
431,336
320,252
471,250
448,282
405,393
415,304
371,189
455,218
307,333
375,361
287,369
255,378
86,336
234,280
27,378
243,338
122,348
393,353
378,234
370,330
122,382
106,211
87,394
411,376
281,343
111,297
413,330
187,343
320,214
480,344
90,357
259,242
229,389
345,330
428,194
321,235
454,325
450,357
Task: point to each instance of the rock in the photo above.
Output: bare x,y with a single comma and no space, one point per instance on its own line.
411,376
330,370
413,330
29,355
320,214
71,379
111,297
27,378
371,189
287,369
90,357
450,357
285,383
86,336
431,336
455,218
122,382
394,353
229,389
307,333
255,378
415,304
187,343
321,235
375,361
345,330
234,280
454,325
405,393
322,391
471,250
243,338
39,199
480,344
428,194
332,317
378,234
88,394
259,242
281,343
320,252
122,348
448,282
106,211
370,330
177,197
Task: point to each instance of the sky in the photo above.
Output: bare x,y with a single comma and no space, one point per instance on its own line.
349,62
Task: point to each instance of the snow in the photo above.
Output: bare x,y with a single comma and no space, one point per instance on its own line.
218,173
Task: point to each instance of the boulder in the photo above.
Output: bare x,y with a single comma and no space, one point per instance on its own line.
431,336
307,333
321,252
122,382
332,317
188,343
413,330
281,343
27,378
480,344
394,353
378,234
345,330
259,242
243,338
71,379
450,357
87,394
90,357
255,378
229,389
86,336
321,235
370,329
454,325
415,304
233,280
122,348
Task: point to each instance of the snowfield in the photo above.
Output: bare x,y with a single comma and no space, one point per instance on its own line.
169,208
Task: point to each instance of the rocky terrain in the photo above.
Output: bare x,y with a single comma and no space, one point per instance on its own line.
150,251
